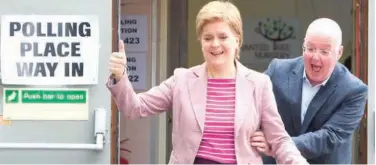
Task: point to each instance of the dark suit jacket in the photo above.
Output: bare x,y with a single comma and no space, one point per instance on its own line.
325,136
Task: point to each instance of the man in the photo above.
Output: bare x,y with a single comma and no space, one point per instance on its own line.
321,103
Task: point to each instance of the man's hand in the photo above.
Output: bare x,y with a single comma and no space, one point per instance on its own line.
118,61
258,140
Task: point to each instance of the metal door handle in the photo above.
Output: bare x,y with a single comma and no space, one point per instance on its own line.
99,135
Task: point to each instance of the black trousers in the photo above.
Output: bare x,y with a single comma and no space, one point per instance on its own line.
204,161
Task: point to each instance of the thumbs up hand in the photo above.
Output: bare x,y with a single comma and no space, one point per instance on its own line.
118,62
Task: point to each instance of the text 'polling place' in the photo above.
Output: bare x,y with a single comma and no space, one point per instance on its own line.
49,49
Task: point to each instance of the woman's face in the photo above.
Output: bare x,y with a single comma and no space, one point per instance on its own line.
219,43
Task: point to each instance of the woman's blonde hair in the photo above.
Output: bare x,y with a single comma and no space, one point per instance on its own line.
224,11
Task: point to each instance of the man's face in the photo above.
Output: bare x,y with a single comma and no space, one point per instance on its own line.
320,55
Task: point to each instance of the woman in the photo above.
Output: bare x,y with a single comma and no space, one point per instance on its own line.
218,105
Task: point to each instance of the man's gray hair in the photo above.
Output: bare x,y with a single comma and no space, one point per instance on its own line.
327,27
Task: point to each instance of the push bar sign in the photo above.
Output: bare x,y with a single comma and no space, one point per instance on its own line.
49,49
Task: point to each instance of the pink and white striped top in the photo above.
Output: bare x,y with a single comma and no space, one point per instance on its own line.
218,139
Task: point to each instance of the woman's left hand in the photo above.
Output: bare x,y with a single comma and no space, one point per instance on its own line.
258,140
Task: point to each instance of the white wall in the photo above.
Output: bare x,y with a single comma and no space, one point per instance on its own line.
371,83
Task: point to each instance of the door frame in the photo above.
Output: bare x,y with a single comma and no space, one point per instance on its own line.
160,57
361,71
177,50
114,132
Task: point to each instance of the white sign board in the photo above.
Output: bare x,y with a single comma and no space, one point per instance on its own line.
49,49
136,67
45,104
134,33
268,38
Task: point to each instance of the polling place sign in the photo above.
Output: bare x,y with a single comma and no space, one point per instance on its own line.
49,49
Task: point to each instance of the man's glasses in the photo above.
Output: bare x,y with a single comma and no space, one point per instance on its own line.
322,52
